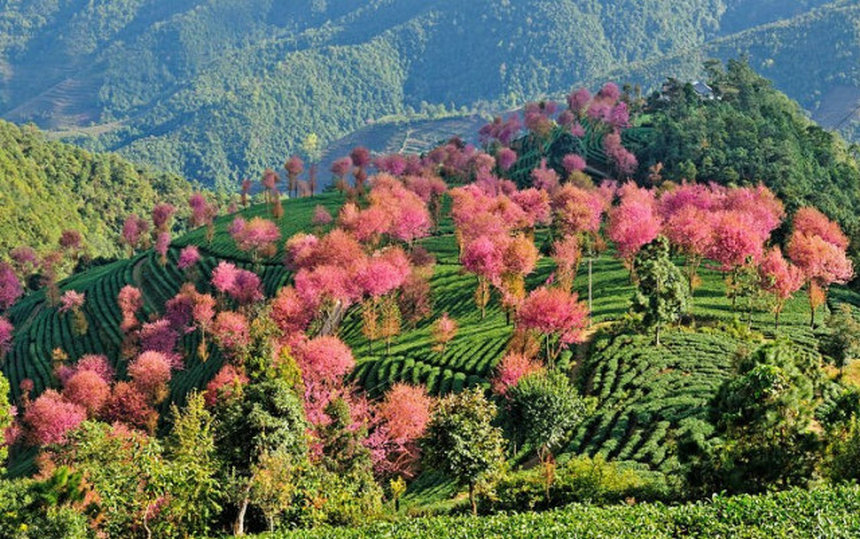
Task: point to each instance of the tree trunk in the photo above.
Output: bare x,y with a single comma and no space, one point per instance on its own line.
590,302
239,525
776,321
472,499
657,334
734,280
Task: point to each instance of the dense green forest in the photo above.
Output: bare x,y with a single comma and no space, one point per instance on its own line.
49,187
217,91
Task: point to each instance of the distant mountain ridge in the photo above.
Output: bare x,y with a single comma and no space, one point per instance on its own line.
221,90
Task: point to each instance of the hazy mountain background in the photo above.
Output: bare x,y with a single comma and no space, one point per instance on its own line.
216,90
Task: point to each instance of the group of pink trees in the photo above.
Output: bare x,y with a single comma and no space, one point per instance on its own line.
607,113
495,230
368,258
818,247
732,227
90,390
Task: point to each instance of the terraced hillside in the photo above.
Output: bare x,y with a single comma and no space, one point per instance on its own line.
469,359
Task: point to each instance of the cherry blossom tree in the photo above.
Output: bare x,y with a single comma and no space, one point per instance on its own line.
88,389
98,364
71,242
691,230
360,159
188,257
505,159
161,216
401,420
160,336
130,301
484,257
510,369
294,167
321,217
340,168
231,333
609,92
73,301
625,162
224,276
735,242
134,231
246,190
203,314
578,100
566,253
247,287
258,236
50,417
224,384
128,405
6,332
555,314
545,178
203,213
573,162
780,278
150,372
289,312
415,297
817,246
323,361
633,223
536,208
10,287
162,244
25,262
577,210
444,330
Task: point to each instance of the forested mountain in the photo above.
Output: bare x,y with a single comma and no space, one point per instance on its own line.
814,58
49,187
219,90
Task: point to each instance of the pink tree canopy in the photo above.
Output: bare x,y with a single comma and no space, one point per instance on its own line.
554,312
50,417
510,369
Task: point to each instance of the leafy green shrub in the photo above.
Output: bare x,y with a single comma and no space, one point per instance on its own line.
26,512
461,440
580,479
542,409
764,417
842,458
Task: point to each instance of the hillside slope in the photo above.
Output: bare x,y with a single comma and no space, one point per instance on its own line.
49,187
